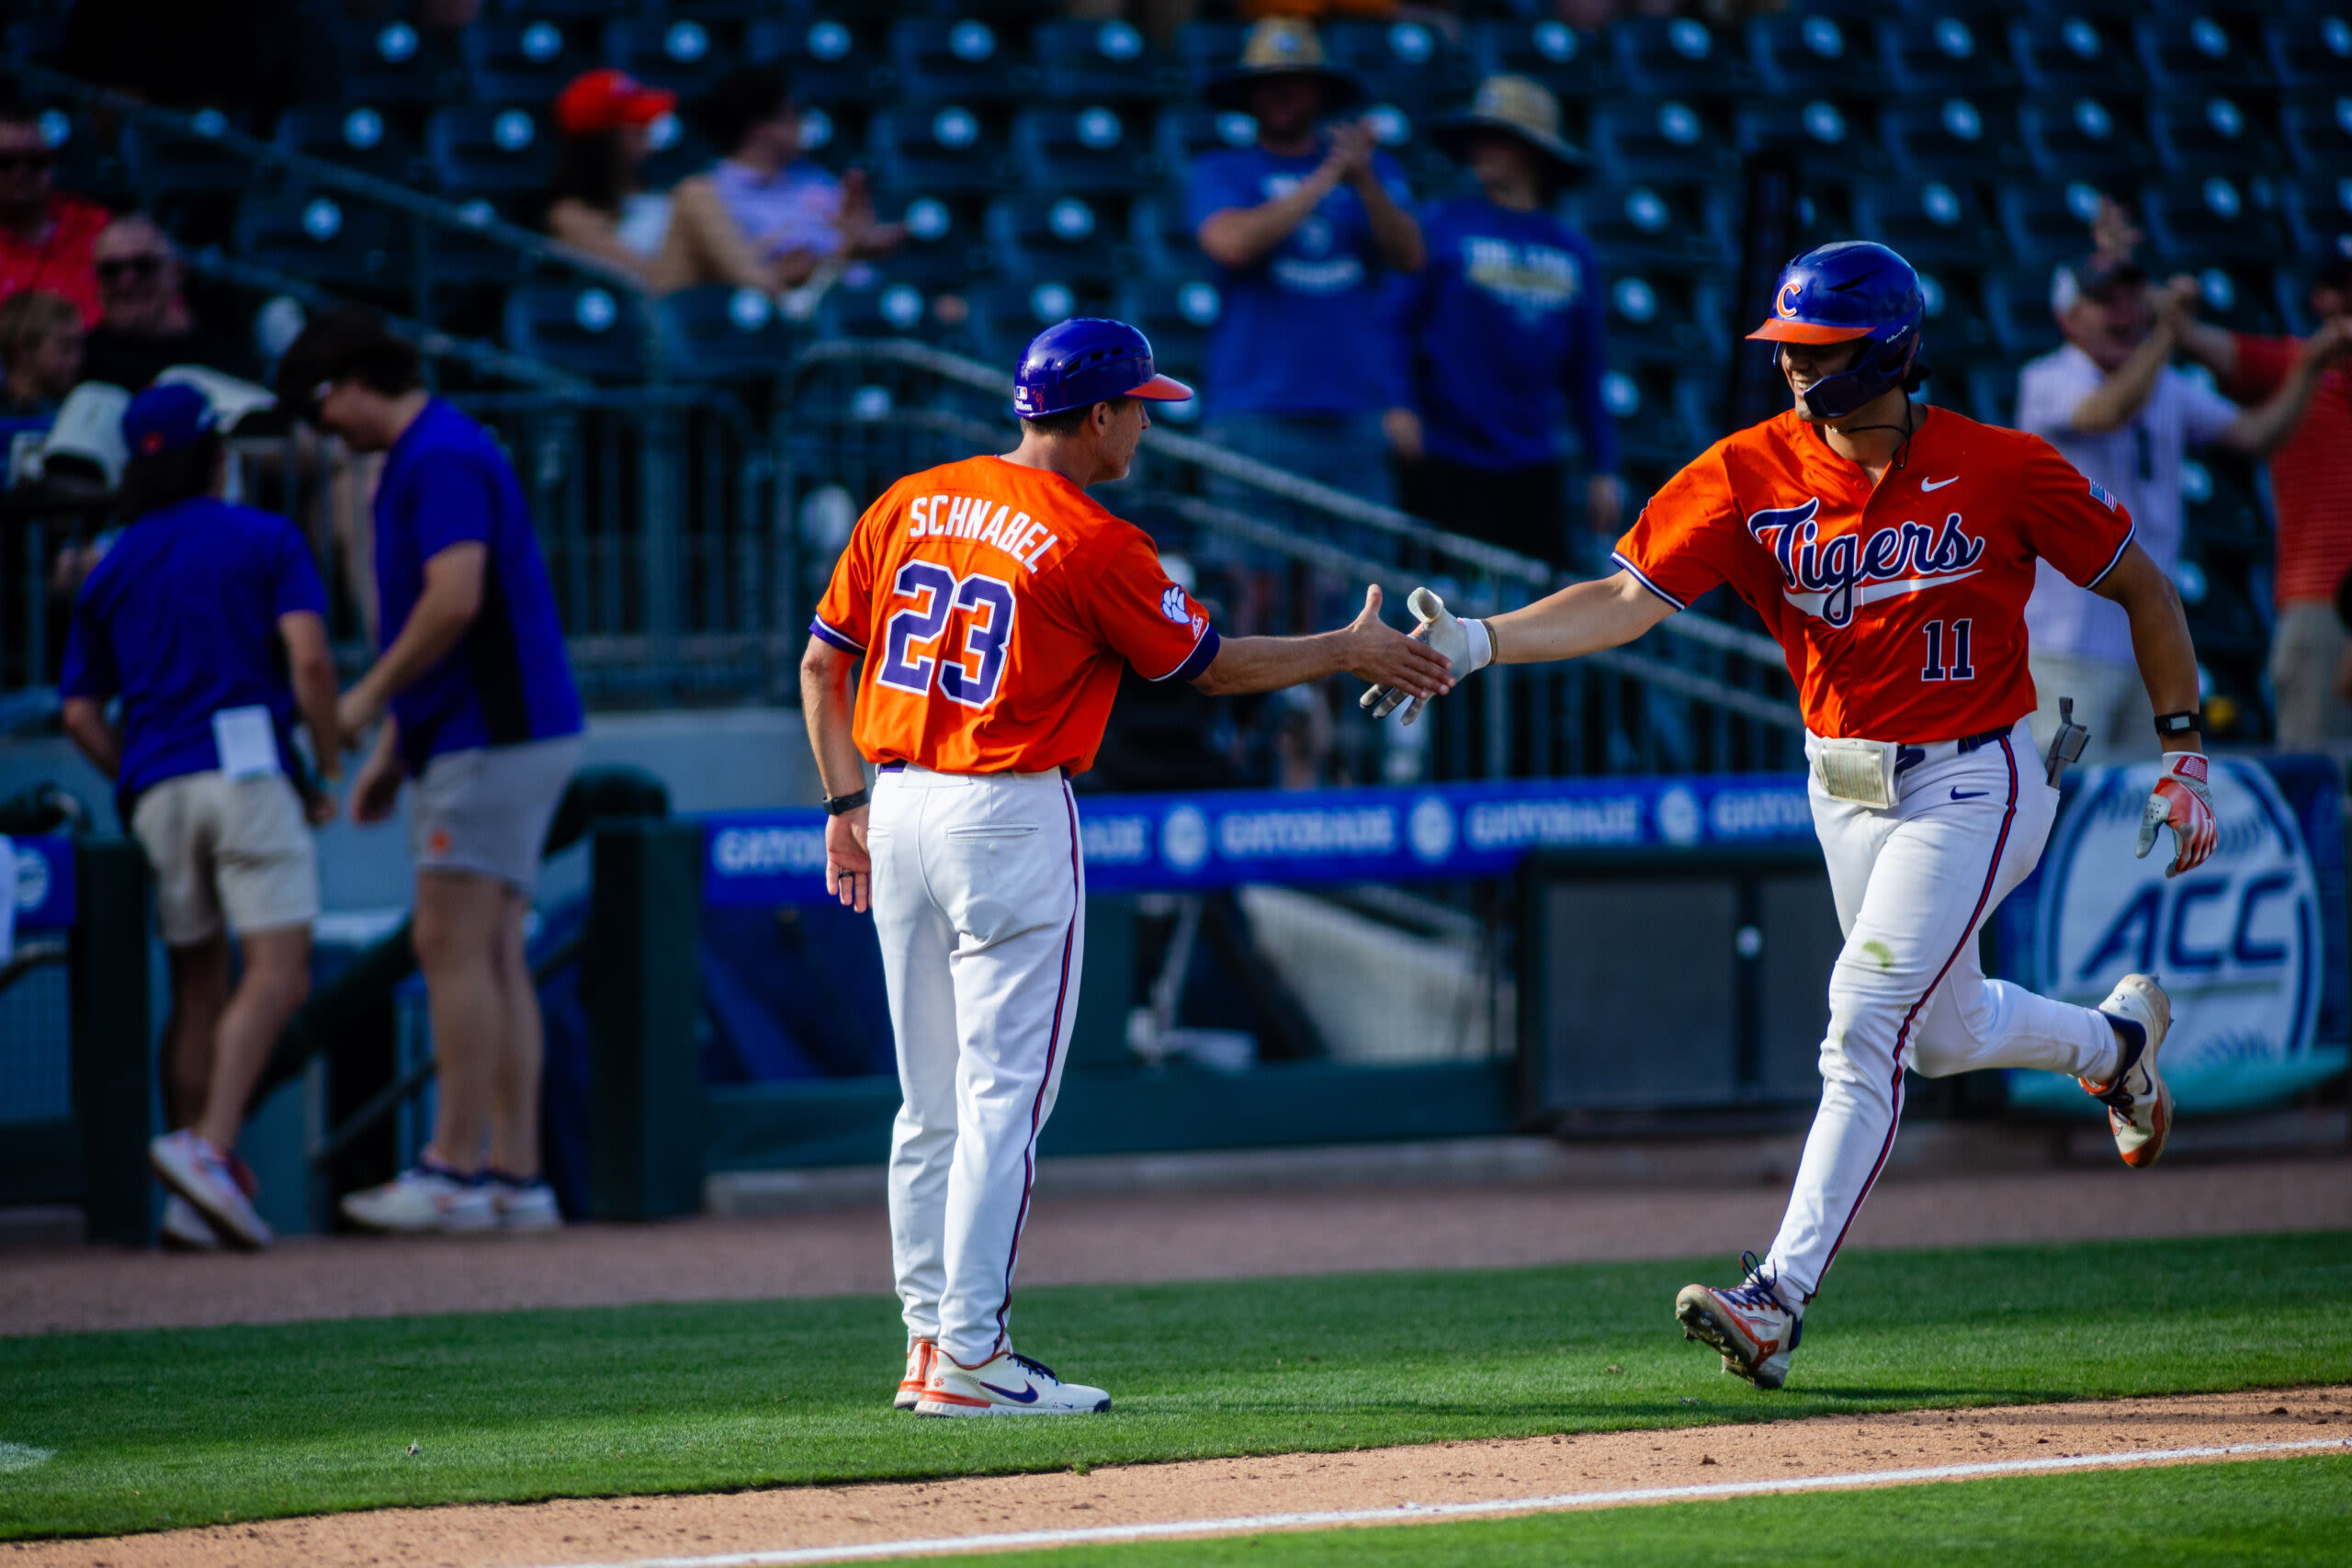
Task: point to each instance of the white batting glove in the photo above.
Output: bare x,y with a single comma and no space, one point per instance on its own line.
1465,644
2181,802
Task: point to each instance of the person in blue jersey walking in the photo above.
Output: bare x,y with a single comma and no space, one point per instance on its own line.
472,698
1305,229
1501,335
206,621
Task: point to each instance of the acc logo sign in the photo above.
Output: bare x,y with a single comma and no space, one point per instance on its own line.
2237,942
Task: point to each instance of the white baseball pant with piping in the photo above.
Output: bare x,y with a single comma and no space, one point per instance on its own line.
979,901
1914,884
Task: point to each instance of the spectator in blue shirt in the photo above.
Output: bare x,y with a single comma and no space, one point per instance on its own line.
1303,226
474,697
1502,337
206,621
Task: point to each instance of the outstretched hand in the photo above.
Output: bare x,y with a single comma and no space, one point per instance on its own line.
1445,635
1391,661
2183,802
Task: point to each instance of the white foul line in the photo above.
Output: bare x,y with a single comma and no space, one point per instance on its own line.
874,1549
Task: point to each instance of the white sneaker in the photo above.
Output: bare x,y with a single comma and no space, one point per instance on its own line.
2139,1106
423,1199
921,1354
524,1205
1006,1383
192,1167
1748,1324
184,1230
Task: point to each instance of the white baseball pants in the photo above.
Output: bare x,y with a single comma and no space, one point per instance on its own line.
979,901
1914,884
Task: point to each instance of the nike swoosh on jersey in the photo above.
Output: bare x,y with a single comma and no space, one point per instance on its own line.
1872,592
1026,1396
1939,484
1970,794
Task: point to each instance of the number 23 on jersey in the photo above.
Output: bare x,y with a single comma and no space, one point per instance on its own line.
946,634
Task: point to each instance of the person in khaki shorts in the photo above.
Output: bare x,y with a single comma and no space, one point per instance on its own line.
472,697
207,620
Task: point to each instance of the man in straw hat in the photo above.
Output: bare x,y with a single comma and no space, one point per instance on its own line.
1501,330
1301,225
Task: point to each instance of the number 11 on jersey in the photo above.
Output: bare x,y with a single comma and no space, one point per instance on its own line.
1951,666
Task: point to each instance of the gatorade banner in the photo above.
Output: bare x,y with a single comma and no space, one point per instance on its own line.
42,885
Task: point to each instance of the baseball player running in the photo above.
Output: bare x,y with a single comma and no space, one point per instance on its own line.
1890,546
993,603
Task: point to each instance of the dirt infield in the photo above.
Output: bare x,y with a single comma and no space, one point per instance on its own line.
621,1530
1138,1239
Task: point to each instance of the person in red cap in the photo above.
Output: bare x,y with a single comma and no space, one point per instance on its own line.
596,201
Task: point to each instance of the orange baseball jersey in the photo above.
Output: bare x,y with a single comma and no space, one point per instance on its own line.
1901,610
994,605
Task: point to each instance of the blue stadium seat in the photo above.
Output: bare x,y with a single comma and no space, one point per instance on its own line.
1956,330
1406,63
2192,222
1813,129
1677,57
1990,393
1664,317
1636,139
1574,65
1086,151
882,306
2214,134
2080,138
2242,296
942,149
1064,237
677,149
722,333
945,244
513,61
456,259
395,63
2198,54
960,60
164,167
1186,130
593,331
1944,53
359,137
1654,225
2016,304
478,149
1010,311
342,244
2074,53
2318,128
1665,417
1162,241
829,63
1956,139
1204,48
681,55
1097,61
1177,314
1806,54
2318,209
2313,51
2047,223
1935,223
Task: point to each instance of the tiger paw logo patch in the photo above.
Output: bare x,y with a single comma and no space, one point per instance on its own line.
1173,606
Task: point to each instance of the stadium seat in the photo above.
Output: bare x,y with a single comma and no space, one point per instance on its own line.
1677,57
360,137
2318,209
1096,62
2191,223
342,244
2243,297
2198,54
1990,393
2318,128
2313,50
881,307
477,150
510,61
1406,63
2079,137
593,331
1634,138
2212,135
1574,65
1668,225
945,244
457,260
1664,319
1664,417
1811,128
680,55
395,63
2075,53
1087,151
1177,314
1009,312
722,333
827,63
1956,332
1943,53
677,149
957,61
2017,306
164,167
1934,223
1162,241
1038,237
1806,54
1204,48
938,149
1956,139
2045,224
1186,130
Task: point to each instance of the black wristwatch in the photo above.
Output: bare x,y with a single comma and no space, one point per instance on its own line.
843,804
2169,725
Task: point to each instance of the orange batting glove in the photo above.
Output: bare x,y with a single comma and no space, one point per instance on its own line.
2181,802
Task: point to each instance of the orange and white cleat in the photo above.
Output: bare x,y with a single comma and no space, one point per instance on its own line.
1006,1383
1748,1324
921,1354
2139,1106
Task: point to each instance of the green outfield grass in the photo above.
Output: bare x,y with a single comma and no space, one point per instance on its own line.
2254,1511
189,1427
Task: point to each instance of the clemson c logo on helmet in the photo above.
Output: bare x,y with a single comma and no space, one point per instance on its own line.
1787,303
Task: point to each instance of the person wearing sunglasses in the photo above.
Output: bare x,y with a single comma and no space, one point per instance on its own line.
146,325
46,236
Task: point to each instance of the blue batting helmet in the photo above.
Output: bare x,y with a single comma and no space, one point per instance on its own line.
1839,292
1084,361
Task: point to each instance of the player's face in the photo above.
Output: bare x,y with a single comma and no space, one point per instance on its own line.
1806,363
1122,428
